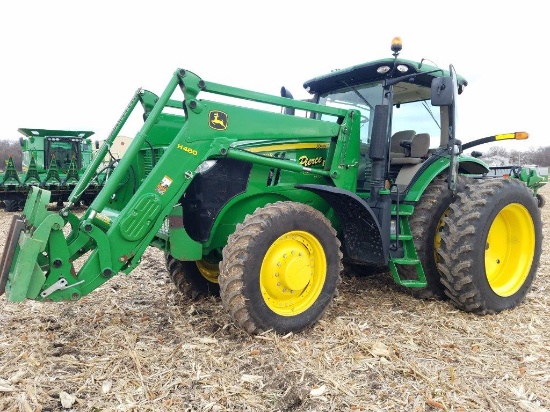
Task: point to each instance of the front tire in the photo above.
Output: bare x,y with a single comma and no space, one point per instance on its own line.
280,268
491,246
194,279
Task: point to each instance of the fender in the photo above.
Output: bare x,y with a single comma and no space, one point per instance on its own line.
467,166
362,236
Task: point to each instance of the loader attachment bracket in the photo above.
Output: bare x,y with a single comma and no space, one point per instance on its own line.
22,272
17,225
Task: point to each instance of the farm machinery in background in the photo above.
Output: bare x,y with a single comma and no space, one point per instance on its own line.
265,207
54,160
534,177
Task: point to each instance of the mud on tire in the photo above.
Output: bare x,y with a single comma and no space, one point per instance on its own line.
426,223
280,268
490,245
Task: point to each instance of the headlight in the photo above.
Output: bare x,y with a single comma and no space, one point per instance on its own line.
205,166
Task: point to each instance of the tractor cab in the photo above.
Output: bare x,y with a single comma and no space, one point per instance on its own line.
416,128
55,148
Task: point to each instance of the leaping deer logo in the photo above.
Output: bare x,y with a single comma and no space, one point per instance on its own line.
217,120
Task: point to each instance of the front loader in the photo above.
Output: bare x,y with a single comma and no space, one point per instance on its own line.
265,199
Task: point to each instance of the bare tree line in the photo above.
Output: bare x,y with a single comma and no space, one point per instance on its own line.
539,156
10,148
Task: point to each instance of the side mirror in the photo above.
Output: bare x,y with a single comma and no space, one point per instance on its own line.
97,144
442,91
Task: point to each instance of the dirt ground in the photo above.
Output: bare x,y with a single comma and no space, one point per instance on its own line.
137,345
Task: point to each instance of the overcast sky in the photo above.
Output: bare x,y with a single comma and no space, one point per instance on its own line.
75,65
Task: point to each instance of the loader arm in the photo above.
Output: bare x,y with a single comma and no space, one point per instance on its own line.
41,263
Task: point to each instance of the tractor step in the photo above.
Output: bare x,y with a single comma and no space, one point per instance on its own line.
405,261
420,282
401,237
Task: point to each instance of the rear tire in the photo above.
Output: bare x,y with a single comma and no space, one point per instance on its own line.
193,279
491,246
12,205
280,268
426,224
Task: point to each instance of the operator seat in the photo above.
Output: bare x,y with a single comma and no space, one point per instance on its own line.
420,145
396,150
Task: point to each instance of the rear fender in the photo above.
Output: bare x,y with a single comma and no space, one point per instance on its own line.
466,166
361,233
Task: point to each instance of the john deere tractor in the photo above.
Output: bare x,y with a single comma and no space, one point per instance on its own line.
263,199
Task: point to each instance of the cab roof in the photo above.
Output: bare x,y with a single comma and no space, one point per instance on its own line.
367,73
57,133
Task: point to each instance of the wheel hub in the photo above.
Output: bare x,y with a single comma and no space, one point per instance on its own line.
210,271
296,274
293,273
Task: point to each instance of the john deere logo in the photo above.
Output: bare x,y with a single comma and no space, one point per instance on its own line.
217,120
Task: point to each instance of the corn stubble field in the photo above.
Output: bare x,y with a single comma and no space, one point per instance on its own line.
137,345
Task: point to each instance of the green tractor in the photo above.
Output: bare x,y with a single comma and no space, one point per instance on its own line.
53,160
264,199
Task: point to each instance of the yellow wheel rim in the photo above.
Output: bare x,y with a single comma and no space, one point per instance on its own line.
210,271
293,273
509,249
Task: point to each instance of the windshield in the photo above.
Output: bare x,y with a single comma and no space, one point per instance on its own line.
410,111
63,151
420,116
363,98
